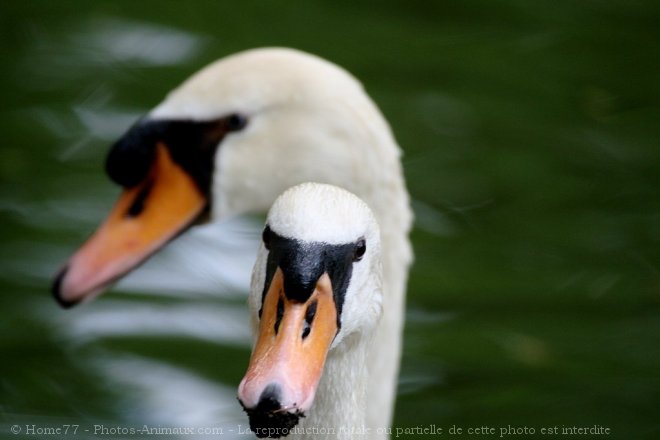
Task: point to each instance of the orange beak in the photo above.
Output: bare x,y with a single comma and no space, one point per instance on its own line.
290,352
143,220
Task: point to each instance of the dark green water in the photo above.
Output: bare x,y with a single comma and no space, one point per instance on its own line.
531,135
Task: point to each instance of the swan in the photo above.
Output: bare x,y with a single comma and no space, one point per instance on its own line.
228,141
315,301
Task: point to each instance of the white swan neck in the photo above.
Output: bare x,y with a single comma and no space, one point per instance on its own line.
339,410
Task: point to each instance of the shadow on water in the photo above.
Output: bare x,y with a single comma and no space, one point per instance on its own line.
531,151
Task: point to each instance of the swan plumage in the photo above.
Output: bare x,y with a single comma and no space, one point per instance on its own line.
335,238
236,135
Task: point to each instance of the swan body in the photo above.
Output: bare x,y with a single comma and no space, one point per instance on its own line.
321,240
228,141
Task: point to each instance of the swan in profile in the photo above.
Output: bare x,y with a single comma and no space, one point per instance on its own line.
315,302
228,141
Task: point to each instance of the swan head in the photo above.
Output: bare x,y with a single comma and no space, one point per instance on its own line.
315,283
227,141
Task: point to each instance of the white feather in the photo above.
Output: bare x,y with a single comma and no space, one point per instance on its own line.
314,212
309,120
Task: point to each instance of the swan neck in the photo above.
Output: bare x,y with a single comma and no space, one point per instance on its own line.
339,411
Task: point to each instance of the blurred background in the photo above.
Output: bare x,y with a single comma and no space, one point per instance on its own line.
531,137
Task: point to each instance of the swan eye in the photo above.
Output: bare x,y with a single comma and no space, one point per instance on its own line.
265,236
360,249
236,122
